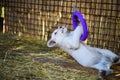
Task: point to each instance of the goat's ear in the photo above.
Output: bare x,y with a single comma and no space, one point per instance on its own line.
51,43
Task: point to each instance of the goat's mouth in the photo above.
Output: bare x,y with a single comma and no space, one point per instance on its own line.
52,42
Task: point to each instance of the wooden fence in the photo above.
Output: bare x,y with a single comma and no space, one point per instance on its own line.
41,17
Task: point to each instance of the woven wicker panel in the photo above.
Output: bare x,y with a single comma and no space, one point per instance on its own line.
41,17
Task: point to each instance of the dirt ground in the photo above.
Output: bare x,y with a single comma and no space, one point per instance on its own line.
27,58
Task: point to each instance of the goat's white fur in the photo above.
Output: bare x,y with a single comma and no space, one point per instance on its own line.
85,55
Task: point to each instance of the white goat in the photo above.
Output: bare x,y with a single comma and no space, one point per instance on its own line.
101,59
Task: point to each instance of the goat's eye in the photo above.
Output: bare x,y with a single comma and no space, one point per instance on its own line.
55,33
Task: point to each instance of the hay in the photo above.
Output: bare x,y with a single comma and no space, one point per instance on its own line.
37,62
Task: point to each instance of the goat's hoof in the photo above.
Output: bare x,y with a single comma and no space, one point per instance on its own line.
102,74
116,59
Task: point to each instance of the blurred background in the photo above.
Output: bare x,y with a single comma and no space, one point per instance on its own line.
26,25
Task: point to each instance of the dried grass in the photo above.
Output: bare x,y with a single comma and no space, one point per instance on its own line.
24,58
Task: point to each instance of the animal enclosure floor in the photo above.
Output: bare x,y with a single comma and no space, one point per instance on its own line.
25,58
